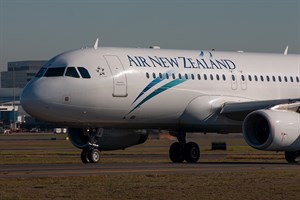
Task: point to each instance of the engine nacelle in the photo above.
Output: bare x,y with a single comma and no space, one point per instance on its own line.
274,130
106,139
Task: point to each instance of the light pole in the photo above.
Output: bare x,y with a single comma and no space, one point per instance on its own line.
14,98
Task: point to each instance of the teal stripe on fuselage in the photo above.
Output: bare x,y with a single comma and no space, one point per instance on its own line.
150,85
159,90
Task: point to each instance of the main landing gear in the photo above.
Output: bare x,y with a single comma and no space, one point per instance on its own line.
180,151
292,156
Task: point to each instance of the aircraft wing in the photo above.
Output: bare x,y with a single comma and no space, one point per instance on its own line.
239,110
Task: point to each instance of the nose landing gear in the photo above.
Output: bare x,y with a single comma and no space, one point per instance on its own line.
90,155
180,151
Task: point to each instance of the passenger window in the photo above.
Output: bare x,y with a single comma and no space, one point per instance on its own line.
199,77
173,76
255,77
233,77
217,76
261,78
72,72
274,79
54,72
292,80
154,76
193,77
179,75
84,72
250,78
297,79
268,78
243,78
167,76
224,77
160,76
186,77
147,75
285,79
279,78
205,77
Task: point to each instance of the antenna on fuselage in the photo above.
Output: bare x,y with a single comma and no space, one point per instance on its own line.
286,50
96,44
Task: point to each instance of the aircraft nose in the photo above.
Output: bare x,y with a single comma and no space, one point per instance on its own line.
31,100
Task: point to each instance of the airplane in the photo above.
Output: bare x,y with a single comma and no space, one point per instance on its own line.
108,96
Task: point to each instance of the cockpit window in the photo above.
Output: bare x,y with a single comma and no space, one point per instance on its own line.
84,72
72,72
41,72
52,72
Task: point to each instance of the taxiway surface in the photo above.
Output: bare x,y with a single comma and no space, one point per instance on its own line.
59,170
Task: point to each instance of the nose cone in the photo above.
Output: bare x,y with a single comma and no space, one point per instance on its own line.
30,100
41,99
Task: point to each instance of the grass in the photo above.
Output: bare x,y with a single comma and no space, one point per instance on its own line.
239,185
36,148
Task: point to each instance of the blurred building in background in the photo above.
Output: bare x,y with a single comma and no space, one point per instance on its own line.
18,74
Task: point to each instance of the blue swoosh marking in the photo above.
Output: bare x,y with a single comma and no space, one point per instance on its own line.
159,90
150,85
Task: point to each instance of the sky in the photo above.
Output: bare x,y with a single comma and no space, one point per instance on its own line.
41,29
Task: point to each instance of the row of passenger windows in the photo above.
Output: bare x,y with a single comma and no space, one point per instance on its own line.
223,77
64,71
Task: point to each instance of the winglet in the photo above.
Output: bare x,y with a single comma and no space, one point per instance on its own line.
286,50
96,44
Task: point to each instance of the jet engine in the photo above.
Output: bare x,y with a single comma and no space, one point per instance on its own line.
106,139
274,130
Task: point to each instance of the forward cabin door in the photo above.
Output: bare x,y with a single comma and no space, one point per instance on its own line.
119,76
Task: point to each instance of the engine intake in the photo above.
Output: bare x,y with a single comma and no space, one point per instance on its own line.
276,130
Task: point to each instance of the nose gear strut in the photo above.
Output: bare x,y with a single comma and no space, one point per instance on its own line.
91,154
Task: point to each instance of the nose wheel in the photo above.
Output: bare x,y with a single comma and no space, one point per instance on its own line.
180,151
90,155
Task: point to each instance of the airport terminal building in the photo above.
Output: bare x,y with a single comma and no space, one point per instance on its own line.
18,74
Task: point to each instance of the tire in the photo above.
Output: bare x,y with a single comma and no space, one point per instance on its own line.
176,153
84,156
292,156
191,152
94,156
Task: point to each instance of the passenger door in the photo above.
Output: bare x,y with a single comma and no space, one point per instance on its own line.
118,75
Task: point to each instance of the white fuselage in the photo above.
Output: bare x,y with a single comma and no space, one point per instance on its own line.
153,88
